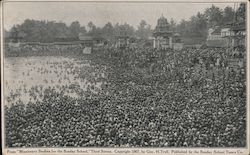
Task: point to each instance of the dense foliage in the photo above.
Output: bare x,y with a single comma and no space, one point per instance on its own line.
196,26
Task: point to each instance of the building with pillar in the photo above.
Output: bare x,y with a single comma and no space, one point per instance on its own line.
122,41
162,34
122,38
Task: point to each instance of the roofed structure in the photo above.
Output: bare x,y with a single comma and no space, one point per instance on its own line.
164,37
162,28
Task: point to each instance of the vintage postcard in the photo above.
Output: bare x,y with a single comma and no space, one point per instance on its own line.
125,77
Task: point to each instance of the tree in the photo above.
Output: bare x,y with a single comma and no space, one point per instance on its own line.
241,13
6,34
50,31
128,30
214,16
144,30
143,24
62,31
108,31
75,29
196,26
200,25
14,33
228,15
28,27
116,29
91,26
172,25
182,27
83,29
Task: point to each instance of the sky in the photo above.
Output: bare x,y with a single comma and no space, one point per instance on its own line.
100,12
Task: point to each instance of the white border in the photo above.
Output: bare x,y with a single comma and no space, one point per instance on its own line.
99,151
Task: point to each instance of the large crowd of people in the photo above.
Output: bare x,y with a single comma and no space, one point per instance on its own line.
147,98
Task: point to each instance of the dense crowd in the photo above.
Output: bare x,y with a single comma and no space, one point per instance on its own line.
148,98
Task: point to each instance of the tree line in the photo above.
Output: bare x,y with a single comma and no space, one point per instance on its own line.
197,26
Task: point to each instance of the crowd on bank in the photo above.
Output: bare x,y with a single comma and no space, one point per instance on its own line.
148,98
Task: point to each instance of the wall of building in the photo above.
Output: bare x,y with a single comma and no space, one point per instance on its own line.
218,42
177,46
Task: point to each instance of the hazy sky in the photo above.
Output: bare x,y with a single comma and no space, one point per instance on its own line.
100,13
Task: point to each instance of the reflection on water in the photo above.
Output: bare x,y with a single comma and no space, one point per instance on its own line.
26,78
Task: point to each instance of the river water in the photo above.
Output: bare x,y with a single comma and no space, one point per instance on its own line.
25,78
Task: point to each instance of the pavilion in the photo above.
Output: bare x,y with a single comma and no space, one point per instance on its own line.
162,34
165,38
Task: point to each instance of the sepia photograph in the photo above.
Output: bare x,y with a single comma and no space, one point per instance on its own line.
124,74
